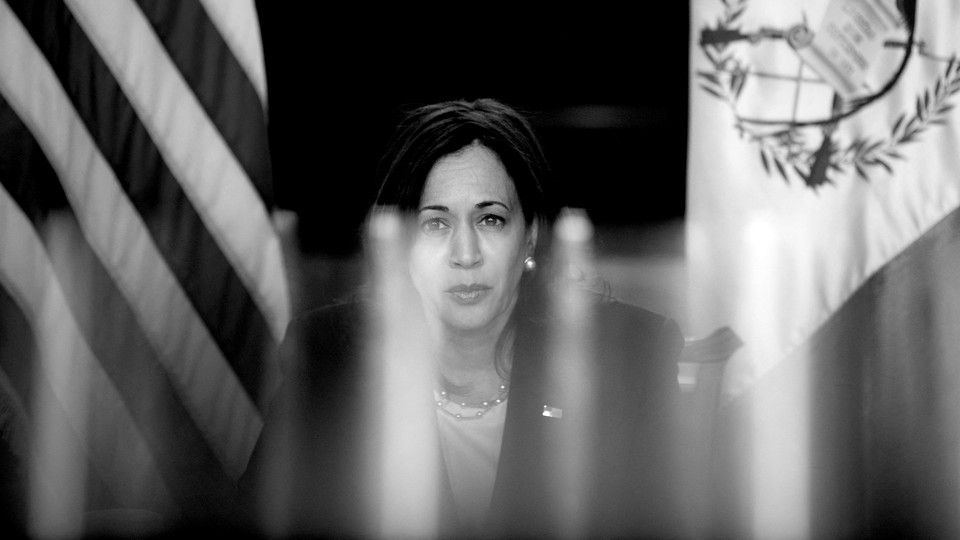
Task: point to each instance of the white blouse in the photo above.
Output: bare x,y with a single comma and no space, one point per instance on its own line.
471,450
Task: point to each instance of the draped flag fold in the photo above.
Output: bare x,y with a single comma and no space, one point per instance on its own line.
822,222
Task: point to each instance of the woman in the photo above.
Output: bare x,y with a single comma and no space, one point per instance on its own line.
473,178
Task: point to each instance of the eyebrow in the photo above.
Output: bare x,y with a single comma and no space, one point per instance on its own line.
483,204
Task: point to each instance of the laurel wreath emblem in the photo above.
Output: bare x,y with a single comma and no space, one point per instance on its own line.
812,154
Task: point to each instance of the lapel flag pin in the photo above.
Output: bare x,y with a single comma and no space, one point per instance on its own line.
552,412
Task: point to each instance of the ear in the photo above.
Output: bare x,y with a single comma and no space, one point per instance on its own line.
532,231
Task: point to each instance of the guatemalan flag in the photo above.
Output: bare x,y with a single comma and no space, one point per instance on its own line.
142,284
823,227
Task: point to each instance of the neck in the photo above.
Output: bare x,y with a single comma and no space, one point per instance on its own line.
467,363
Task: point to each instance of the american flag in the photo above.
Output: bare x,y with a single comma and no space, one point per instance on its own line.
142,284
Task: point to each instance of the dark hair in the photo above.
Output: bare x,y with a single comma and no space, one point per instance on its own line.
430,132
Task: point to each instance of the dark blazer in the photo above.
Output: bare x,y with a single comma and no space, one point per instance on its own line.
631,490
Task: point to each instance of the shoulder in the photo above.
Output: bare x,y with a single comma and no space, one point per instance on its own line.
619,325
328,332
615,308
638,350
340,314
638,343
615,316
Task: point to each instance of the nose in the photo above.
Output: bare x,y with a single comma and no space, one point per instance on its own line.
465,248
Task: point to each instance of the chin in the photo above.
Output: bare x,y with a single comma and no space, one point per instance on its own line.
466,326
466,322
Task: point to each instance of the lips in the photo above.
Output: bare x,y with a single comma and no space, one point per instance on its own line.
468,294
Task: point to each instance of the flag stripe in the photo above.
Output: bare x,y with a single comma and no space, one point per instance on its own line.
25,171
17,348
239,25
113,335
13,412
193,149
116,232
192,253
67,362
218,81
28,177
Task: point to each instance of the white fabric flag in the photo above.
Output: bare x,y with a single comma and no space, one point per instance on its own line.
822,226
789,212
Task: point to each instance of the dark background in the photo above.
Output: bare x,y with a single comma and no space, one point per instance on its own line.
606,90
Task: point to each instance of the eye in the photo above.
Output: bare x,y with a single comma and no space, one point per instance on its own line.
492,221
433,225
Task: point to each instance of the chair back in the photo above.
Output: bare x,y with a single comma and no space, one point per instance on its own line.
701,364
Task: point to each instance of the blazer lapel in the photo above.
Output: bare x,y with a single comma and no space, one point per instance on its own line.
521,498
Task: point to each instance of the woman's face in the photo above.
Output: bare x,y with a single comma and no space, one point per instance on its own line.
471,241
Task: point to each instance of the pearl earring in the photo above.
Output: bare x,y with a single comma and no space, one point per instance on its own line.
529,264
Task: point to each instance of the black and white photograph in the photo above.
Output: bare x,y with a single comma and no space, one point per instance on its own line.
673,270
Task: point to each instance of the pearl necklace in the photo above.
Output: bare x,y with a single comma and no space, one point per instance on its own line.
484,407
